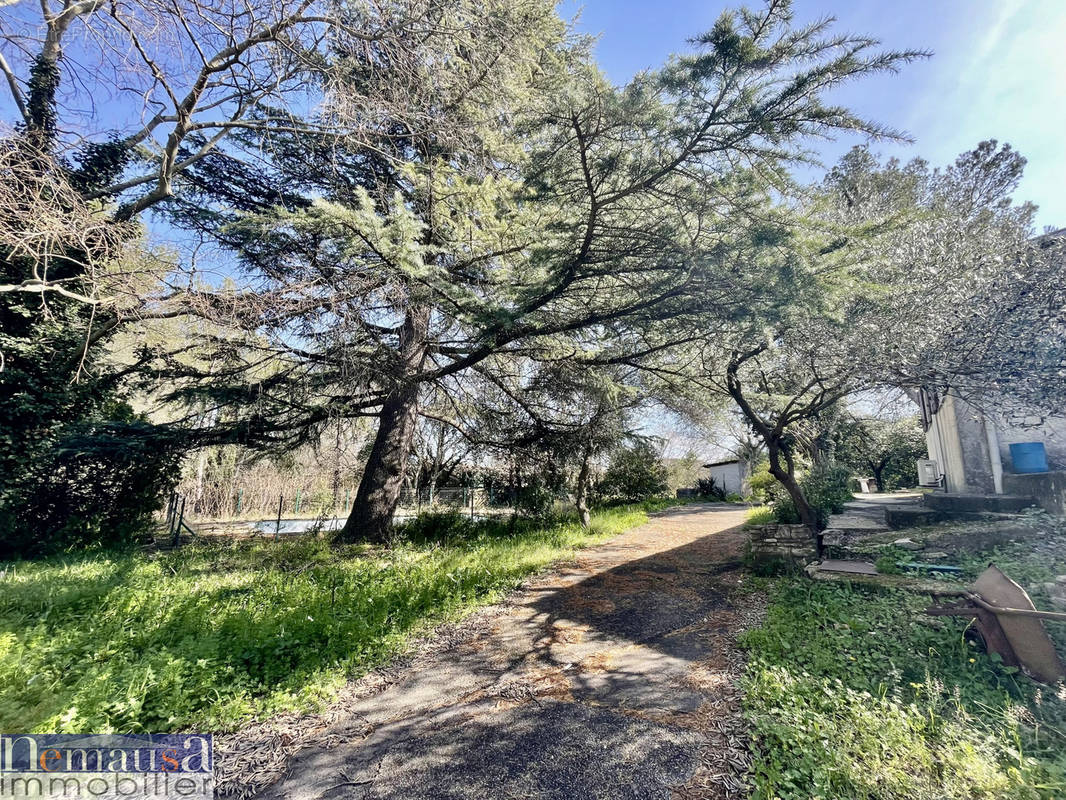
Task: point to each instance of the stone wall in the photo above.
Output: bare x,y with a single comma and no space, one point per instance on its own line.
1020,427
777,542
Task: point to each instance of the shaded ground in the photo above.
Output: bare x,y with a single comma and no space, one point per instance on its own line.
611,677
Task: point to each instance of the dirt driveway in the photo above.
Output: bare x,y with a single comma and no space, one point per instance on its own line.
612,677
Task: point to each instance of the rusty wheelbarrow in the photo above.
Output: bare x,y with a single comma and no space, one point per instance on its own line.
1009,624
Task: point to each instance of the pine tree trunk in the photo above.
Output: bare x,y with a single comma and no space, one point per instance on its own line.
581,492
383,477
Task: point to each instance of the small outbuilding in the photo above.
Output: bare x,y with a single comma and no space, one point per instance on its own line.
731,475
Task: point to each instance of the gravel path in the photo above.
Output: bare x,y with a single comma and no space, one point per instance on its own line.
611,677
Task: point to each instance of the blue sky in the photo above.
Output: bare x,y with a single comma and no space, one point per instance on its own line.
998,71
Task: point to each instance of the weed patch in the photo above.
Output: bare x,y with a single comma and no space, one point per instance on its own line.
852,695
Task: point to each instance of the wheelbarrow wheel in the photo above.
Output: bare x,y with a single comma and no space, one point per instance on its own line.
973,635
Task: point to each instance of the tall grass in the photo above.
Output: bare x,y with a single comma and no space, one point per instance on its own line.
209,636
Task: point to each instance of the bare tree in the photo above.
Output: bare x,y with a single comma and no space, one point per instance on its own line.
45,223
172,80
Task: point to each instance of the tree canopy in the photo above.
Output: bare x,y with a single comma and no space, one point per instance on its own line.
442,214
415,259
888,275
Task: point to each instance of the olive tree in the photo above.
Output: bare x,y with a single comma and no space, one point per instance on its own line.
973,300
886,449
895,276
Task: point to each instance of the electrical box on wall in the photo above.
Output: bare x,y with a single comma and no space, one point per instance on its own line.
928,472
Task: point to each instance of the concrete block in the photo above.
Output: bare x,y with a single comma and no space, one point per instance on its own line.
1047,488
976,503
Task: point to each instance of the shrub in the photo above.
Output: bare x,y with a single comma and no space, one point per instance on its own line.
784,509
888,565
634,474
785,512
826,487
438,527
761,482
535,499
826,490
762,515
707,487
99,485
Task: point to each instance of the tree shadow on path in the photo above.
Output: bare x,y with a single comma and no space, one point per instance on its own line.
611,678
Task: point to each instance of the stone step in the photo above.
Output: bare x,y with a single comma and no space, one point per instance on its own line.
901,518
912,517
977,503
843,566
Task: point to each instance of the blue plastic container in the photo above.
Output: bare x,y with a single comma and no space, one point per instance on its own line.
1028,457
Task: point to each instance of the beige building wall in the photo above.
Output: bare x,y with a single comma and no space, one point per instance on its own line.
945,446
972,449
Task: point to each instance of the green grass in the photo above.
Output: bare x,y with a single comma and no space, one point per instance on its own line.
851,694
212,635
761,515
663,503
